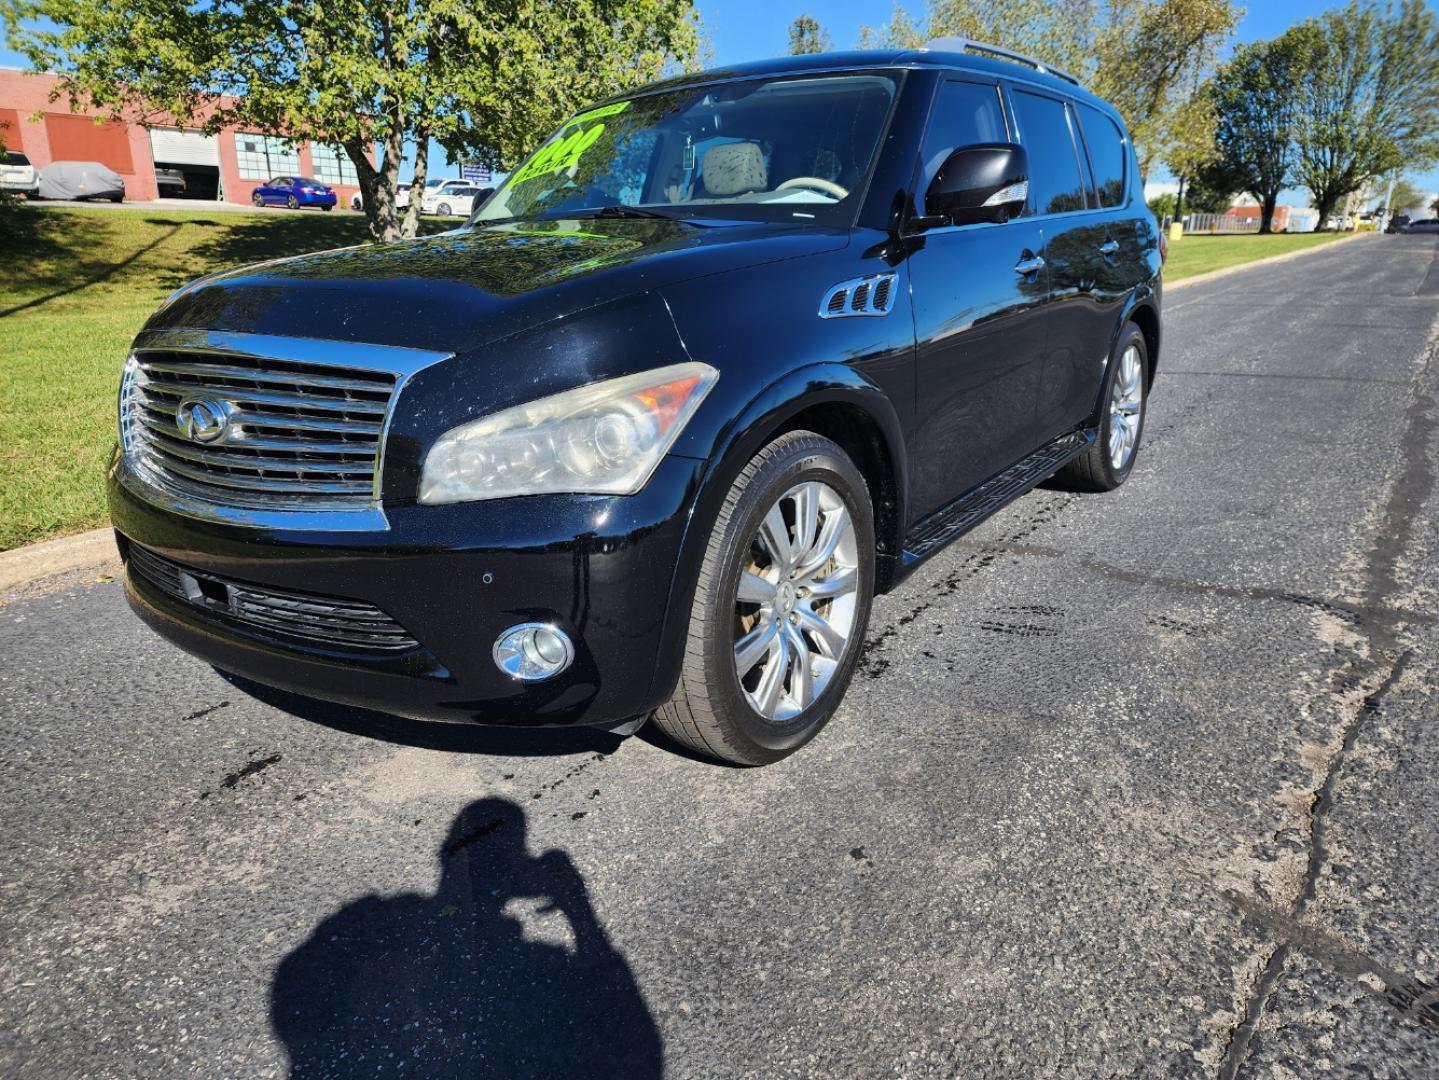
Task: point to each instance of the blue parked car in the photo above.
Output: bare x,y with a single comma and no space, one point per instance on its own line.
294,192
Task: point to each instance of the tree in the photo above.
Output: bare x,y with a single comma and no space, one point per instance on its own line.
806,35
487,80
1141,55
1212,188
1368,97
1404,196
1256,99
1434,206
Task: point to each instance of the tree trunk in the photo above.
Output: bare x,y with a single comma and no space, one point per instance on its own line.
1324,202
1266,220
410,223
1179,202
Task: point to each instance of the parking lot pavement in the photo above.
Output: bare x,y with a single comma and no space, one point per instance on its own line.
1140,784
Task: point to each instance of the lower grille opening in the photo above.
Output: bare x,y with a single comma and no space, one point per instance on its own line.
273,613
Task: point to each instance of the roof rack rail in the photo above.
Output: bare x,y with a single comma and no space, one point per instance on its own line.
955,43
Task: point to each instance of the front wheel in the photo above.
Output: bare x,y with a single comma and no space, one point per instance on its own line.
780,608
443,210
1109,461
293,203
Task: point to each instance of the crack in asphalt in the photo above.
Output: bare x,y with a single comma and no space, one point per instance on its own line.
1412,487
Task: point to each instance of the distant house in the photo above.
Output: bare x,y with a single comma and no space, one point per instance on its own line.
226,166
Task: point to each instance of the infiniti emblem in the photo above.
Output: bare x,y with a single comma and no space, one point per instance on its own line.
202,420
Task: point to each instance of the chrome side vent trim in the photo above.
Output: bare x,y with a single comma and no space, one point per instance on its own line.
873,295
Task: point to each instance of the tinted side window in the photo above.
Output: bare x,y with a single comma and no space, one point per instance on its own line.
1055,186
1106,154
964,114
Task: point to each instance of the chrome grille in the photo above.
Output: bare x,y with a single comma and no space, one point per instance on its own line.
272,612
295,434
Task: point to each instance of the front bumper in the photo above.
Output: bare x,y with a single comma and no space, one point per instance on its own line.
600,567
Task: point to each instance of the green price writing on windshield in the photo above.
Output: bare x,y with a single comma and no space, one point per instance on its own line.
565,152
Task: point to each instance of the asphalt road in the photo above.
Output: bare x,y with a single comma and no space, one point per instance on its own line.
1142,784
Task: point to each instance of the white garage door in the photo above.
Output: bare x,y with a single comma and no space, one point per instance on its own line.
175,147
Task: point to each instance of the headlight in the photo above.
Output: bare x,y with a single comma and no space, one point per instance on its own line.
603,438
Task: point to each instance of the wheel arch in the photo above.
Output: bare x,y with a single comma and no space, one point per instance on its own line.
831,400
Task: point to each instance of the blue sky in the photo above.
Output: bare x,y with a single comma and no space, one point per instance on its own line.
755,29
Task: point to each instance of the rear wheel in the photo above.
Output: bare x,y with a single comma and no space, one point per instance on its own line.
781,605
1108,463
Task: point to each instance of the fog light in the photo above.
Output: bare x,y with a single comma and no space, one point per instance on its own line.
533,651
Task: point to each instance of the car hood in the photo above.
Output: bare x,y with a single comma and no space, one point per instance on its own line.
465,288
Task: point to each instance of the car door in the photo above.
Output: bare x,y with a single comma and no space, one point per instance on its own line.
978,297
1080,242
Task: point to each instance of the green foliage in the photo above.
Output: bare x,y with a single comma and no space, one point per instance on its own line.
487,80
1162,206
1405,198
1144,56
1368,97
1257,97
1211,188
806,35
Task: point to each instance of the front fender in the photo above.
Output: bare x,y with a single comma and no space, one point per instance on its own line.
774,409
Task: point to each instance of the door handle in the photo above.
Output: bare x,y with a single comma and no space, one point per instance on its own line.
1032,265
1108,248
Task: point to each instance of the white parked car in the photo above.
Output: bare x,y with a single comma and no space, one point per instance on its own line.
457,201
17,174
402,193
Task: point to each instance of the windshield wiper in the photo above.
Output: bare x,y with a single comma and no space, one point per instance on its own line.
616,210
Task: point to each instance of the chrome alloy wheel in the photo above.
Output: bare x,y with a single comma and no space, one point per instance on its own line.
795,606
1126,408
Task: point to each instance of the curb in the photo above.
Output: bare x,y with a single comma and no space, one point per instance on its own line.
22,565
1212,275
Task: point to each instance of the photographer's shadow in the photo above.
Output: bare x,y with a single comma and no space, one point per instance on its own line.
450,985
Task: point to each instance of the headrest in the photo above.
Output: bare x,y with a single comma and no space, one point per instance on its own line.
733,168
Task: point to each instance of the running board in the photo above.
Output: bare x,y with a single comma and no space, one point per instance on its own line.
956,519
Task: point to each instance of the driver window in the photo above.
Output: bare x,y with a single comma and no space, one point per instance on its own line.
965,113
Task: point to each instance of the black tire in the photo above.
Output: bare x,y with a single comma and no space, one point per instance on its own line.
257,198
1094,469
293,203
328,206
709,712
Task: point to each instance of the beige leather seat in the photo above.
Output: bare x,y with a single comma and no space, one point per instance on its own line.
734,168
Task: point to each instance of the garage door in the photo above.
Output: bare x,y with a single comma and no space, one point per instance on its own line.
175,147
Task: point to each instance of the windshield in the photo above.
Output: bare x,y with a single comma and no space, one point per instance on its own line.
780,149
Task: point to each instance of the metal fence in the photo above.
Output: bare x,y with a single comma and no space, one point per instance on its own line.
1220,223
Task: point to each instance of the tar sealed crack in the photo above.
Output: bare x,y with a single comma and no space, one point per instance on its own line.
474,836
259,765
1411,490
204,712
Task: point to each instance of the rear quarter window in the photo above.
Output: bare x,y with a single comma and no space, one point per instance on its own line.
1107,154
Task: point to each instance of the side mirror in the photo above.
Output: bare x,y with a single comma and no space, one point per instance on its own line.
988,182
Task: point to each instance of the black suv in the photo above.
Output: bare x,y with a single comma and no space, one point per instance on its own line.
724,358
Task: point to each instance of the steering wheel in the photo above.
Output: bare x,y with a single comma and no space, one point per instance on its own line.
816,183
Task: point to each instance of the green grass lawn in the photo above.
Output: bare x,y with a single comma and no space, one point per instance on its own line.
1199,254
75,287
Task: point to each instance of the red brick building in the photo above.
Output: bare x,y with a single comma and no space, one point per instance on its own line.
226,166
